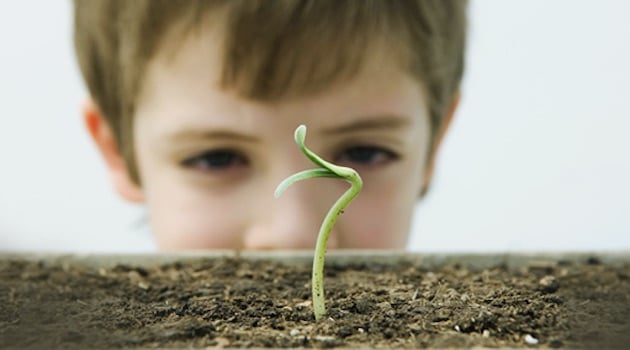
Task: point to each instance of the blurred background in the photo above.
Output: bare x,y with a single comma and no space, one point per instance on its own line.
537,159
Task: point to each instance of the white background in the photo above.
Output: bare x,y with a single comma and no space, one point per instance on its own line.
537,158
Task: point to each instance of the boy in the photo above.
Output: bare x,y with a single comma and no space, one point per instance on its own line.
193,105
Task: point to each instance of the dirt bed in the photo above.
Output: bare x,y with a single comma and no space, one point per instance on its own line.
233,302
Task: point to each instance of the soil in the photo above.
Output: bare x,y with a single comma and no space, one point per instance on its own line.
235,302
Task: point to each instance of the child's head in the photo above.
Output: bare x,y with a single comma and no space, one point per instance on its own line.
193,105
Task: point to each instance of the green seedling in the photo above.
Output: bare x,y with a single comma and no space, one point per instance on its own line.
326,169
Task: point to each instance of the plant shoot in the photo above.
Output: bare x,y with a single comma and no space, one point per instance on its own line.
326,169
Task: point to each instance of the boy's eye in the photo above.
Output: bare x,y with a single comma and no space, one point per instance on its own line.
216,160
366,156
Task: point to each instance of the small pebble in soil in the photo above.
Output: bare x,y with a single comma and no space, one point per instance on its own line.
386,308
529,339
325,340
548,284
294,332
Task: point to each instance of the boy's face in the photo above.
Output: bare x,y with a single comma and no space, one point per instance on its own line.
209,160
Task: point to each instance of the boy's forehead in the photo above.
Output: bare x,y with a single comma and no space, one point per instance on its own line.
274,68
186,98
198,61
185,70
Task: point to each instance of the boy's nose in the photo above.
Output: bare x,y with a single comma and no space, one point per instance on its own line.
293,220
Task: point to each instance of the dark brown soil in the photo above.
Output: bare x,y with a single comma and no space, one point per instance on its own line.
231,302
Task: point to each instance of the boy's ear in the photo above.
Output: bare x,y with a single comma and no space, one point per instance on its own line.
105,141
437,142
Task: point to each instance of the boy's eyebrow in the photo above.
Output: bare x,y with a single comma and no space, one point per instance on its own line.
380,122
211,134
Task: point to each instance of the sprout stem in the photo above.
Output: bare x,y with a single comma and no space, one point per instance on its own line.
327,170
319,307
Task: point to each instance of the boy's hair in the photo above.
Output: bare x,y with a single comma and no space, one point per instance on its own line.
272,49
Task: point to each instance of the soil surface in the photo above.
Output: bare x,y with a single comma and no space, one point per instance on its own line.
233,302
